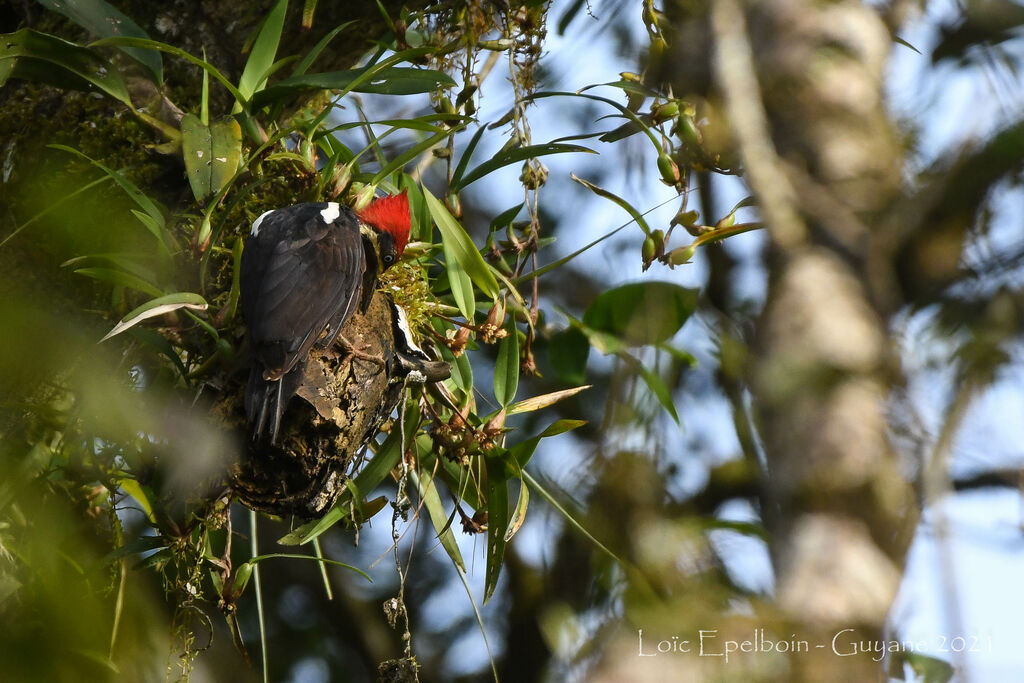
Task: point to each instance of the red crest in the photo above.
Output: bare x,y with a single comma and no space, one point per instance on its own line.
392,215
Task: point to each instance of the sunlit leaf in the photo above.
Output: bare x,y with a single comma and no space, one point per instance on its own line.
135,490
263,52
106,21
308,9
421,228
519,516
461,257
544,400
158,306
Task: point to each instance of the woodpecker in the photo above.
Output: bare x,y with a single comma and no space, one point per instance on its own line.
305,270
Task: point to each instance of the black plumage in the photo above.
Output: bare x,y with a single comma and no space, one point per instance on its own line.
305,270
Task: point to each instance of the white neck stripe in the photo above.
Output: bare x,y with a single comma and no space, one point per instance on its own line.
256,223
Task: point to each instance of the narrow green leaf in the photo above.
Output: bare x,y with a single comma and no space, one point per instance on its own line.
570,13
627,129
411,153
424,123
261,57
322,560
311,56
536,486
129,187
158,306
150,223
497,522
142,544
641,313
160,344
177,52
625,111
135,490
204,98
308,9
514,155
373,473
654,383
505,218
461,255
601,192
461,285
523,451
236,280
462,371
52,206
460,168
133,263
106,21
378,78
506,367
212,153
629,87
121,279
31,55
424,483
904,43
420,214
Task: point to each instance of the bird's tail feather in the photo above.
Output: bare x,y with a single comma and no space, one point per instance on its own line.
265,400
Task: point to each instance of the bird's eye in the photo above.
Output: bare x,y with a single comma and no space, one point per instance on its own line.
389,259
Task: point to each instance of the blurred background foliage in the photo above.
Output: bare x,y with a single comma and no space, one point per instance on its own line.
717,312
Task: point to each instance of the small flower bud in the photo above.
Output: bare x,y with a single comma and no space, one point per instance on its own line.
648,251
363,198
668,169
681,255
665,111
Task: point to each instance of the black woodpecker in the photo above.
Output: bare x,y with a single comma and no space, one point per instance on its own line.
305,270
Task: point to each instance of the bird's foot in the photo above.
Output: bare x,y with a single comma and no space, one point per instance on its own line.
352,352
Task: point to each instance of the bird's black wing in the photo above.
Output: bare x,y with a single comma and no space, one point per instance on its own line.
299,274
